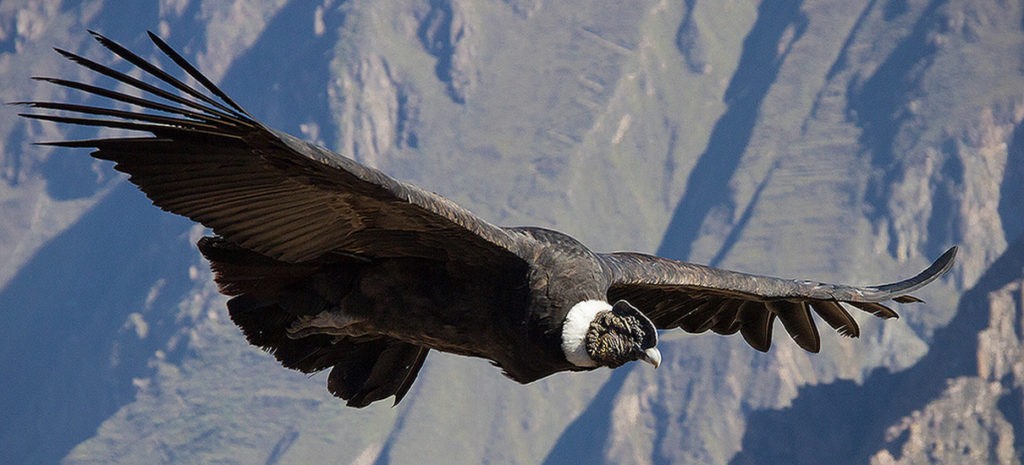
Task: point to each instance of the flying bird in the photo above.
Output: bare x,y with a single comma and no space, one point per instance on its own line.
330,264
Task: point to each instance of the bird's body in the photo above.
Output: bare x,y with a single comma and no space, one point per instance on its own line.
334,265
510,312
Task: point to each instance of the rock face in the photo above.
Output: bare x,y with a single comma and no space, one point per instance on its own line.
834,140
977,415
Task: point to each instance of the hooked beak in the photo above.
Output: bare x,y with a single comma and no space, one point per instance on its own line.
652,356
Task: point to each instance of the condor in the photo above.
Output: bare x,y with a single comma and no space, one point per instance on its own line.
334,265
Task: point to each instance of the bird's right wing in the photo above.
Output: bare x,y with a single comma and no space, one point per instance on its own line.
697,298
204,157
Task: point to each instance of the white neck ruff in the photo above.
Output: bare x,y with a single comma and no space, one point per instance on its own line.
574,331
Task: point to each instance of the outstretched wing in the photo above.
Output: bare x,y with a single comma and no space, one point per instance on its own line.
288,212
698,298
209,160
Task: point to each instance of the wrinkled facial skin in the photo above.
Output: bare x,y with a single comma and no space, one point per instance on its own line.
614,340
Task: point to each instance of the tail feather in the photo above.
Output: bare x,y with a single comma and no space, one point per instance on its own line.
375,370
265,325
270,295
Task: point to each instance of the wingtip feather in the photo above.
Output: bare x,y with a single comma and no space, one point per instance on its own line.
796,319
757,325
876,309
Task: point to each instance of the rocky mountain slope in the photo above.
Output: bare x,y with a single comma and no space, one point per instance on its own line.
834,140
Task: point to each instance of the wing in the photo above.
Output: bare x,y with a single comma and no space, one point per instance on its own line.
207,159
698,298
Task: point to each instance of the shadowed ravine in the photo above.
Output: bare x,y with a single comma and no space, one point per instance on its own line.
70,306
573,445
708,184
282,97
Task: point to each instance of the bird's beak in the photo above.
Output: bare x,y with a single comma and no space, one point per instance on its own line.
652,356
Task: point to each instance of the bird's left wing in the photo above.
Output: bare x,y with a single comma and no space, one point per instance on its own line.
698,298
208,159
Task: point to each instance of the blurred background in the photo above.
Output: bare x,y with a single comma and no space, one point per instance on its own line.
841,140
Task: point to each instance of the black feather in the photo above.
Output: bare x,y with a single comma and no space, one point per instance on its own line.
192,71
128,115
796,318
140,102
155,71
876,309
756,326
144,86
837,317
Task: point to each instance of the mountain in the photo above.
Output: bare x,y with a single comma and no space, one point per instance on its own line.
836,140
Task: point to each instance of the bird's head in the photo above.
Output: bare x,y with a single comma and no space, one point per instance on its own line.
596,333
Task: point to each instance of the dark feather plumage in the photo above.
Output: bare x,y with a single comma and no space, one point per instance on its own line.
334,265
696,298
